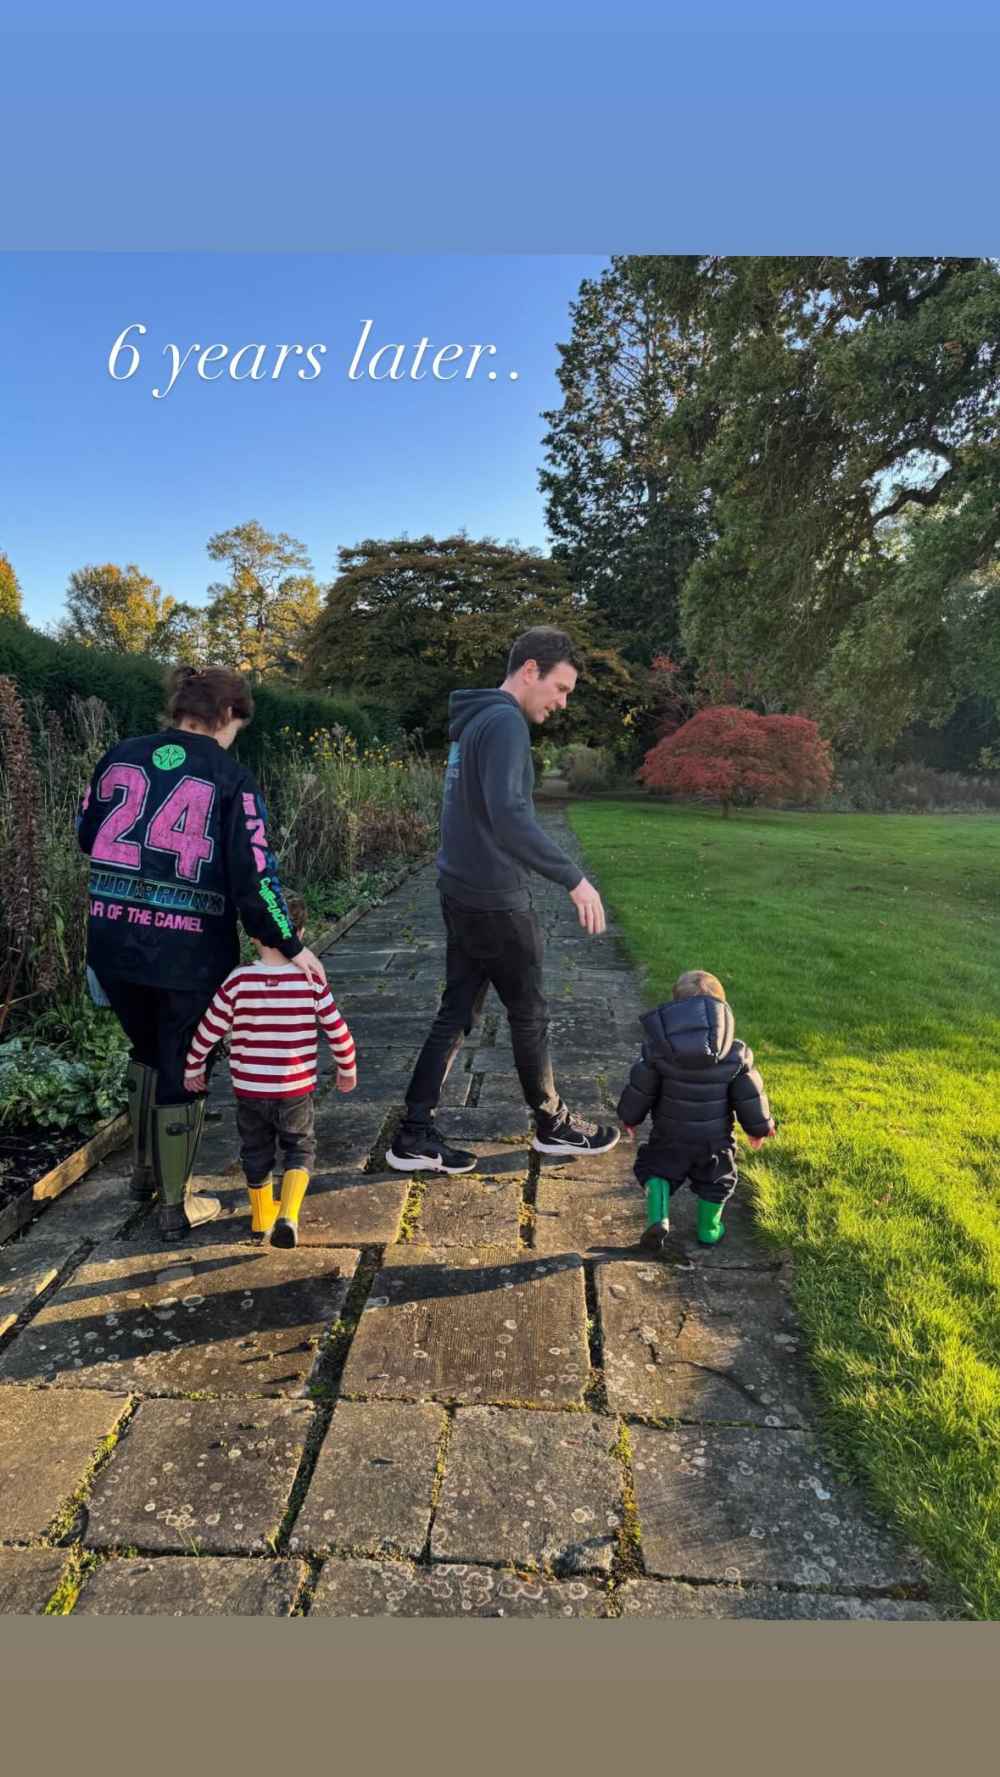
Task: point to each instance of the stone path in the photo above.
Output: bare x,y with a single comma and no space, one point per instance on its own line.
456,1396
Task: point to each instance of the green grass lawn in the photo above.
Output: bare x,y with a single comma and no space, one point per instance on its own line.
860,955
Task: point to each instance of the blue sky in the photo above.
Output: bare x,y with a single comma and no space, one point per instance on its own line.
96,470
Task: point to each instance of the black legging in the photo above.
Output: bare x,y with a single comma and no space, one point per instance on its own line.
159,1023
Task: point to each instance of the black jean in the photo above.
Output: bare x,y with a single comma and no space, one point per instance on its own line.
503,950
159,1024
263,1123
710,1172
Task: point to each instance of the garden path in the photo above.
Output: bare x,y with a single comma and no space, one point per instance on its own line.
456,1396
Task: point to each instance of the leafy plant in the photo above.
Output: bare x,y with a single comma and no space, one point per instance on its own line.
587,768
75,1083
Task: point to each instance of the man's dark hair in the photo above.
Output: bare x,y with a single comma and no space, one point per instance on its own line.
546,645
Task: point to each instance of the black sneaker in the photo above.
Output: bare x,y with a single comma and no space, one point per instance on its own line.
428,1153
573,1136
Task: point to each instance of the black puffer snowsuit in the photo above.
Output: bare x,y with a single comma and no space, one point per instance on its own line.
694,1078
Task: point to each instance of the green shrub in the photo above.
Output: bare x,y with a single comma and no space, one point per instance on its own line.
73,1084
866,787
587,768
132,688
338,810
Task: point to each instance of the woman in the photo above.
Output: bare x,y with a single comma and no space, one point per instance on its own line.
177,838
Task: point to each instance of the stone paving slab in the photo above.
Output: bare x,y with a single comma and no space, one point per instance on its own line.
93,1209
501,1098
506,1125
28,1578
191,1586
47,1442
345,1132
729,1503
341,1208
28,1266
425,977
200,1475
372,1485
498,1060
348,962
382,1078
470,1210
390,997
427,947
576,1213
700,1345
661,1598
586,1053
524,1487
446,1324
589,1091
150,1319
393,1589
388,1029
611,1056
416,1255
567,986
457,1087
572,1012
603,1033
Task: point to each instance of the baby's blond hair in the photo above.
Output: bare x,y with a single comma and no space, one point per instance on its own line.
695,982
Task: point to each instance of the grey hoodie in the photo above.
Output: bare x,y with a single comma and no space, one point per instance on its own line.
490,839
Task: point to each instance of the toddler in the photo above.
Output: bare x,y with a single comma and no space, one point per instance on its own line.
696,1080
273,1010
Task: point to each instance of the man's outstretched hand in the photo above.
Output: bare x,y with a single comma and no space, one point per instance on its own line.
310,966
589,907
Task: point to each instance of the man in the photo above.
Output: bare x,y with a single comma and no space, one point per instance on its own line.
490,842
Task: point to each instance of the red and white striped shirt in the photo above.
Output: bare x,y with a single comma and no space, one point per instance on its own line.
272,1012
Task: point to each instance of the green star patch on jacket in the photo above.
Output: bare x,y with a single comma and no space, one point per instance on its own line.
168,758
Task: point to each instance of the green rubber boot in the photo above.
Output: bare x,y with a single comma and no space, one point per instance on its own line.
141,1084
710,1225
657,1231
176,1133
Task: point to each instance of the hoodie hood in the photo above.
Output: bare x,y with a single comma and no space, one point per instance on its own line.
691,1033
463,706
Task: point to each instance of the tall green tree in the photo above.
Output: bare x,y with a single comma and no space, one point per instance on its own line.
124,610
626,530
258,620
409,620
10,589
840,436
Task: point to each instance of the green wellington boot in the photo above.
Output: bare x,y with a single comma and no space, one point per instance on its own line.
710,1226
141,1085
656,1238
176,1133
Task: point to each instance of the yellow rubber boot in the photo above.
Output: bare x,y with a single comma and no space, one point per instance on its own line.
294,1186
263,1208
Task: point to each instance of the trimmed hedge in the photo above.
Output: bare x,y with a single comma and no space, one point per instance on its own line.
132,687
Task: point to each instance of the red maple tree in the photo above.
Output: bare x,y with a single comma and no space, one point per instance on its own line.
733,756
